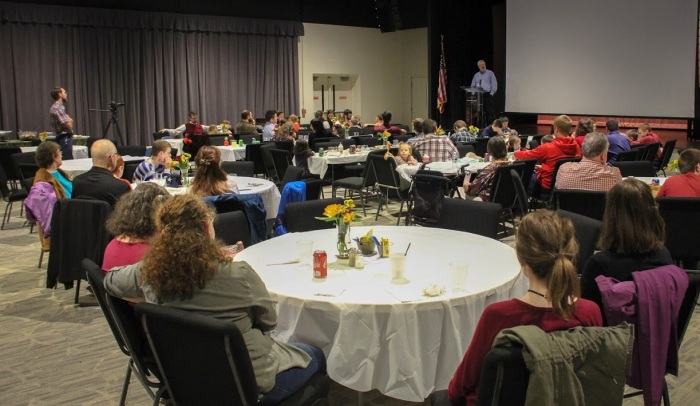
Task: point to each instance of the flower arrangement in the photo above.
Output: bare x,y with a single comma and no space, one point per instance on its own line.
440,131
181,162
673,165
338,213
225,125
474,130
342,215
383,136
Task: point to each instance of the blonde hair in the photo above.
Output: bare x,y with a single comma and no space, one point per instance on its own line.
545,242
563,124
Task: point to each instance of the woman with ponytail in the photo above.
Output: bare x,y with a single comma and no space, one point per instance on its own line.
209,178
545,247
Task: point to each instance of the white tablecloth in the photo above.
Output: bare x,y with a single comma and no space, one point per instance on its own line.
648,180
79,151
248,186
75,167
372,339
232,153
319,165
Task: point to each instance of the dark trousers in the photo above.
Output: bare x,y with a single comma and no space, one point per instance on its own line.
65,141
489,114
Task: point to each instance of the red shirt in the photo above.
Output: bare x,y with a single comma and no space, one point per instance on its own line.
120,253
686,185
548,155
650,138
507,314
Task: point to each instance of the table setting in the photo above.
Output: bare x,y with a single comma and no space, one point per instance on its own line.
401,321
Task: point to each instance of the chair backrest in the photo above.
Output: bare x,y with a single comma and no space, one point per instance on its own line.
587,231
216,140
384,171
682,218
689,302
130,170
203,360
232,227
669,147
292,174
502,190
27,170
428,191
331,143
631,155
78,231
558,165
313,188
528,170
158,135
11,171
368,140
504,378
470,216
651,151
400,137
354,131
248,138
122,321
285,145
520,192
368,130
131,150
281,159
636,168
584,202
240,168
316,140
301,216
269,163
464,149
24,158
481,144
254,154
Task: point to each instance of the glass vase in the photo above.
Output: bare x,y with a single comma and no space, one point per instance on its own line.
343,239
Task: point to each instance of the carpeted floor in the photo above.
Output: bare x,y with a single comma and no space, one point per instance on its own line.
52,353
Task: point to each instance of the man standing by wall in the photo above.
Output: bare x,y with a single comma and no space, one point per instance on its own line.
486,80
61,123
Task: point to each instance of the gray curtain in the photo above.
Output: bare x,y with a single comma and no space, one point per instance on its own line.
161,65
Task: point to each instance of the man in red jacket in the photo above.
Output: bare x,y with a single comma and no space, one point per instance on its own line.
563,146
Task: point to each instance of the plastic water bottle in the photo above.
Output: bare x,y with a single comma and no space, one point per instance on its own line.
226,143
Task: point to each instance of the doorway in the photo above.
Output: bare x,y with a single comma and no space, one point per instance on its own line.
336,91
419,97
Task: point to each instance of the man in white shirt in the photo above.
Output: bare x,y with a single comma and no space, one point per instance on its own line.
269,129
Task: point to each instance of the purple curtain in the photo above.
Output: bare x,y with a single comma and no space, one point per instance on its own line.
161,65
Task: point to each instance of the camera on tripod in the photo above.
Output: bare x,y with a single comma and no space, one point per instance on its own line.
114,105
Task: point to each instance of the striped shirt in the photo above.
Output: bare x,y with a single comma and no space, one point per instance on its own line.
438,148
146,171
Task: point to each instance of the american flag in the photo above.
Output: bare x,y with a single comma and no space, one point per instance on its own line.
442,84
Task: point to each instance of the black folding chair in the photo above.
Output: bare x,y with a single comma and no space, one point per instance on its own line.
129,336
387,182
231,227
240,168
682,218
470,216
669,147
637,168
205,361
301,216
584,202
587,231
504,193
629,156
427,193
363,185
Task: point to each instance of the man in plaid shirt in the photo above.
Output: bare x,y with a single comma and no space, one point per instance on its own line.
438,148
593,172
61,123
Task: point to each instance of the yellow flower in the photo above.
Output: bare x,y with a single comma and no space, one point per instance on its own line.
349,203
672,165
332,210
348,217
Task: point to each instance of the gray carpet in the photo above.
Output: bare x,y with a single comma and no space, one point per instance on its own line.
53,353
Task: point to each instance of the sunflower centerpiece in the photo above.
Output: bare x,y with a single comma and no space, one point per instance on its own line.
342,215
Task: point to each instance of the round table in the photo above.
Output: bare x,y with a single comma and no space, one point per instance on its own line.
79,151
318,165
377,335
248,186
448,168
231,153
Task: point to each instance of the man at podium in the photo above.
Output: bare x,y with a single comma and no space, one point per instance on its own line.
486,80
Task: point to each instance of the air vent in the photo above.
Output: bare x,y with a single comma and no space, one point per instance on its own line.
345,78
315,78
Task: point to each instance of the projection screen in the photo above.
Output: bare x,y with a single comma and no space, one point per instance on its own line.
633,58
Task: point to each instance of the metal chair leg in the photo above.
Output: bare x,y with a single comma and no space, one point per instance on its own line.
41,258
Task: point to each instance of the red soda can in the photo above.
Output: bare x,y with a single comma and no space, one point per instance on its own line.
353,149
320,264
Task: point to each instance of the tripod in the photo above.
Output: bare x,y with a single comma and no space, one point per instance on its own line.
113,120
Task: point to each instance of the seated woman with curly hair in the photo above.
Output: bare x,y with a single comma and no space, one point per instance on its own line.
186,269
209,178
132,224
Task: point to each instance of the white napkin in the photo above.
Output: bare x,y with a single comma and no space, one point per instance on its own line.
405,293
330,289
